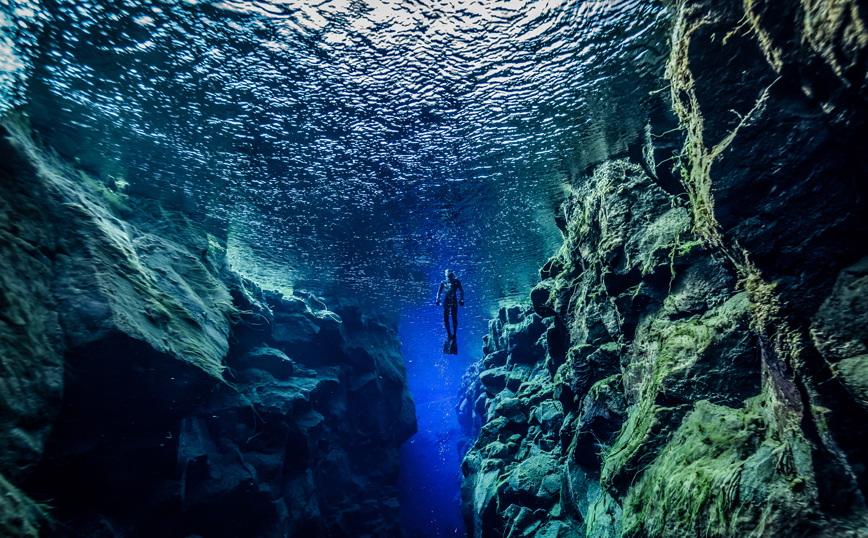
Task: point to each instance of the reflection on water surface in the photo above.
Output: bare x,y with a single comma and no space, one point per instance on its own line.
357,146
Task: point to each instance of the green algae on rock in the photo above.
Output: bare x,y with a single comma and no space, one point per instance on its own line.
628,304
840,330
688,315
20,516
725,472
651,405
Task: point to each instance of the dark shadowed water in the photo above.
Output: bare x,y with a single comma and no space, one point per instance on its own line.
352,147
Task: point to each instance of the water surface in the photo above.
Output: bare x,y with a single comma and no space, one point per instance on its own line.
353,146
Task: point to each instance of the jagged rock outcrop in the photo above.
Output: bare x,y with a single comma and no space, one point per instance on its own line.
640,323
635,396
701,371
147,390
309,440
840,330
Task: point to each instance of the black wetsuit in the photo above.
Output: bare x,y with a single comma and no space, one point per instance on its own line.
450,302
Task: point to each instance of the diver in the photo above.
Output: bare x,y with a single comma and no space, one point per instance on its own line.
451,301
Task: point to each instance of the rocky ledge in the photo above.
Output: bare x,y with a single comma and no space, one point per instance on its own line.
147,390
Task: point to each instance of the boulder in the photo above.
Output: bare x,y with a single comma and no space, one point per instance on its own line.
535,482
840,330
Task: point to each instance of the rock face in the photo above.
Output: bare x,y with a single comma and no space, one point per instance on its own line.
639,331
634,398
308,443
149,391
840,330
694,363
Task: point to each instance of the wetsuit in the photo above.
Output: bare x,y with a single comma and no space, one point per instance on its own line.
450,302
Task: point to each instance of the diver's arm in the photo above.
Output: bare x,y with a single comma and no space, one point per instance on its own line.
461,289
440,291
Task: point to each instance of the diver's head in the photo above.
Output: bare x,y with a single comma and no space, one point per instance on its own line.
450,274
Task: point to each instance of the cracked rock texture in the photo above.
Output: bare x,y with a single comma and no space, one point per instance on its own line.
665,383
147,390
635,399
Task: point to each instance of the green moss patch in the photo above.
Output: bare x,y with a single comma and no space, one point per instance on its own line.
671,357
725,473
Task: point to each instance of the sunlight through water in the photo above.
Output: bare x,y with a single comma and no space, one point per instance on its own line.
347,145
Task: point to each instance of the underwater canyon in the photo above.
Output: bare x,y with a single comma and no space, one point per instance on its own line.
223,224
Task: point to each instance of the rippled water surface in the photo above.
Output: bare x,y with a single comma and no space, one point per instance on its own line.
351,145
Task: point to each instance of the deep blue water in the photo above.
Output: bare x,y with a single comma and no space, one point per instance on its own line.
352,147
430,461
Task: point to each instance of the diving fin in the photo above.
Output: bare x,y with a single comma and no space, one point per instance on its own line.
450,346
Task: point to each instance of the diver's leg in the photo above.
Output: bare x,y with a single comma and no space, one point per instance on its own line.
454,318
446,318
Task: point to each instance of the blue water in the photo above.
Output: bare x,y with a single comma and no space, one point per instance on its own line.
430,461
352,147
430,464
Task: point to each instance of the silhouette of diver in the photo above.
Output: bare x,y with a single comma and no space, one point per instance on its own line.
450,305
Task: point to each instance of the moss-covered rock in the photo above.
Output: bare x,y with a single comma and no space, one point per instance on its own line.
31,337
840,329
693,402
853,372
681,361
561,386
725,472
20,516
534,483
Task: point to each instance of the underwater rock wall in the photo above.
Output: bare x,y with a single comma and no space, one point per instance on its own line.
308,443
693,363
147,390
634,398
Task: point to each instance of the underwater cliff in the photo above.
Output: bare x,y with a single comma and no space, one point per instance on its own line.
692,361
221,221
148,390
